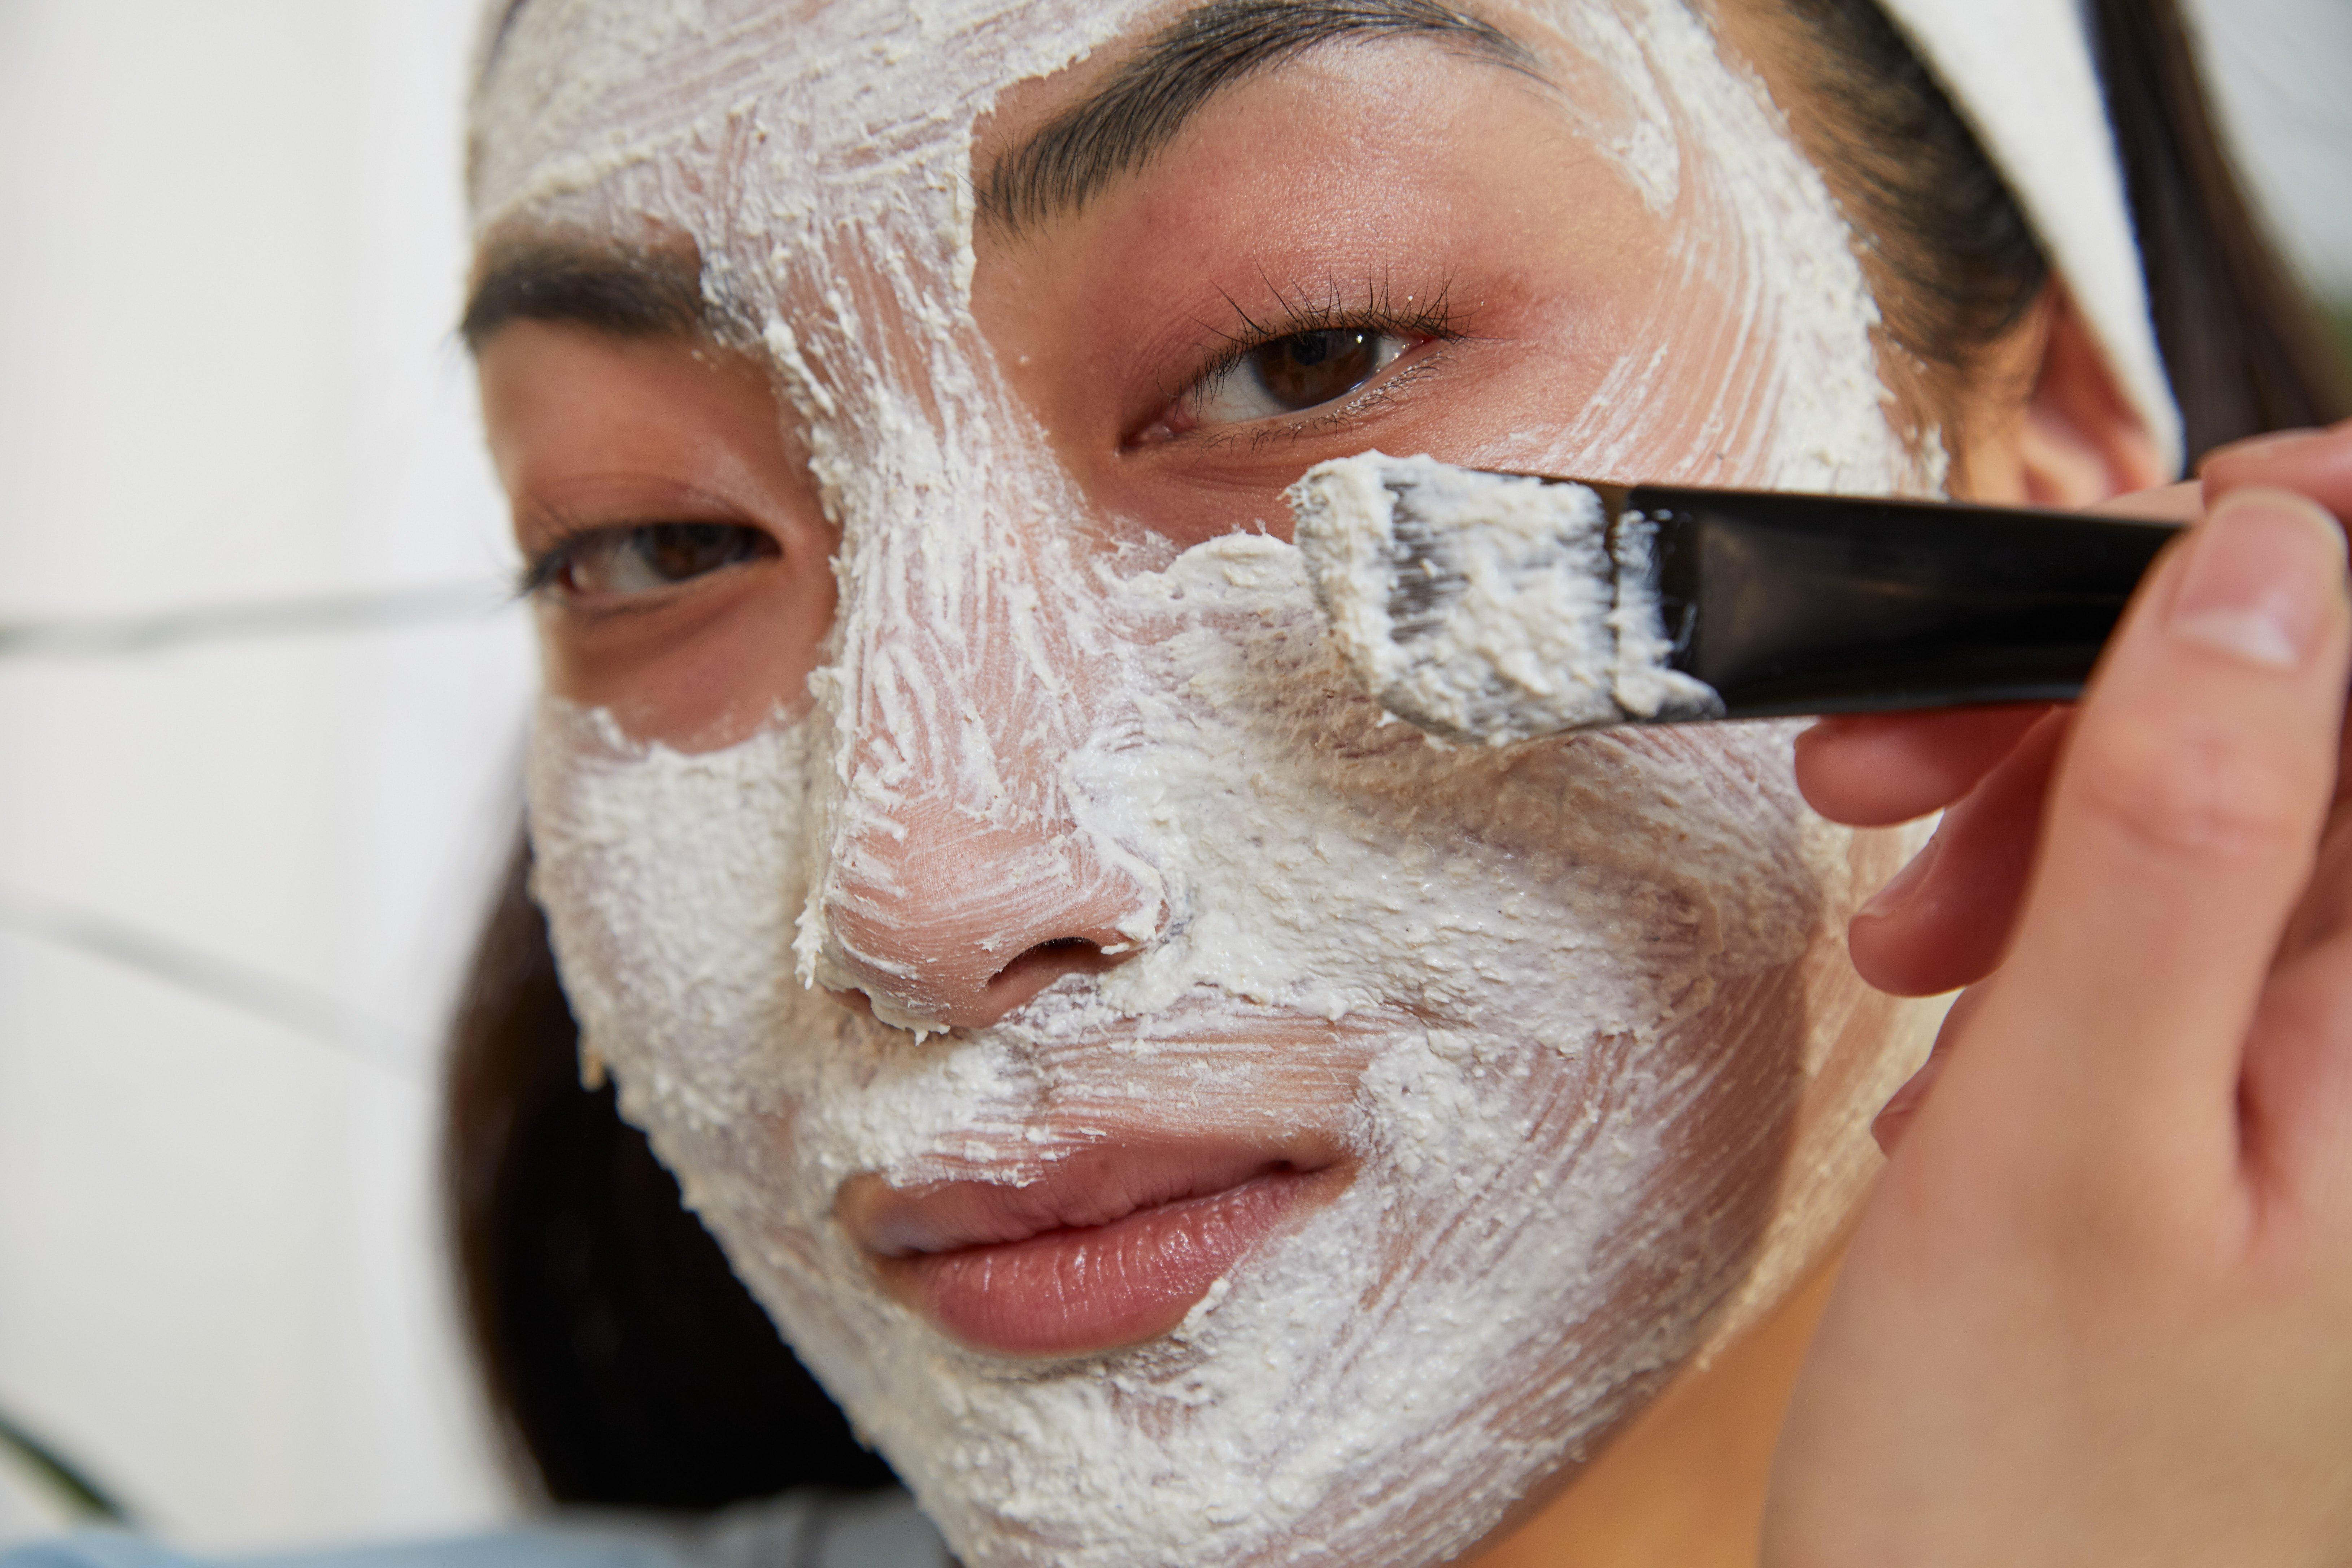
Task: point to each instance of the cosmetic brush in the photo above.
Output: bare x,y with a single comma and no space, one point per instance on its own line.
1491,607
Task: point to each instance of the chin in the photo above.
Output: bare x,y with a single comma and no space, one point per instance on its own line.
1201,1349
1223,1280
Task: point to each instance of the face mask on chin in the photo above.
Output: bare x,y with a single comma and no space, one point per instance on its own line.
1556,1036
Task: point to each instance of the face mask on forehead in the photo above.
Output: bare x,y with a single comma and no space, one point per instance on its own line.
830,207
1555,1010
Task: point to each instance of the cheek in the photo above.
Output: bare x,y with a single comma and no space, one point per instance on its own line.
1755,364
1855,1047
704,664
671,882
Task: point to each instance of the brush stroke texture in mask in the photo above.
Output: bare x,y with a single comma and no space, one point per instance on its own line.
1573,1008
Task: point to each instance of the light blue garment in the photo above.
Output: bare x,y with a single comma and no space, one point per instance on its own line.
799,1530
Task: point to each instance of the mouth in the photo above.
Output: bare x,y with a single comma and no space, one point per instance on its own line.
1111,1247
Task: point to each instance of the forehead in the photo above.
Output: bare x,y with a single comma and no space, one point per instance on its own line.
864,96
820,98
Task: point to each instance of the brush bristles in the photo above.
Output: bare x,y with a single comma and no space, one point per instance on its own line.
1482,606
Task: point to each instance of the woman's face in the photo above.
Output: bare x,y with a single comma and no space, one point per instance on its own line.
1184,1117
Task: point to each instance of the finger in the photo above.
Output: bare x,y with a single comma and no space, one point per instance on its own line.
1944,920
2181,827
2315,463
2183,502
2297,1083
1876,769
1906,1102
2325,912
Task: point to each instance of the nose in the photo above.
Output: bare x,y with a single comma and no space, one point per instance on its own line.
941,922
963,871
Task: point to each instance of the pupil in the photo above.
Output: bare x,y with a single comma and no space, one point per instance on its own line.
1309,368
677,550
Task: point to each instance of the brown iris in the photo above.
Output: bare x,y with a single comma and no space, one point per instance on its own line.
1307,368
677,550
625,561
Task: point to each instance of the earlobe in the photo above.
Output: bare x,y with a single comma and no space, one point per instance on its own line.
2081,442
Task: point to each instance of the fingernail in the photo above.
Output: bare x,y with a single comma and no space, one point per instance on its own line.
1894,1118
2260,571
1890,898
2276,443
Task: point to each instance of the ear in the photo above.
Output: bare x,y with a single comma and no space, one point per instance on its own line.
2080,443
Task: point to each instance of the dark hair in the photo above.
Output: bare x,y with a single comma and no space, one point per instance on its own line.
629,1366
2247,349
1954,262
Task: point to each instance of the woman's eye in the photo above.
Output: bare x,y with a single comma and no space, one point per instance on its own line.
612,563
1288,374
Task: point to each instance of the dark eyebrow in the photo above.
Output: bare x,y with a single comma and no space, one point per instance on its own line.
627,293
1116,130
498,37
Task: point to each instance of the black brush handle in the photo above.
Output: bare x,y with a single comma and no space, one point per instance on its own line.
1792,604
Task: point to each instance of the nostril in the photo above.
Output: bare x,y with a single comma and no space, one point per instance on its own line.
951,991
1043,964
854,999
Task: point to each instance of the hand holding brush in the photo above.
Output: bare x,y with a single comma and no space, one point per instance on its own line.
2097,1308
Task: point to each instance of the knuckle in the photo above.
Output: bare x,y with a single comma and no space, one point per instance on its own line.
2194,788
2127,1213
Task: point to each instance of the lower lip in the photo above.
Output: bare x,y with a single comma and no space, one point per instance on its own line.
1077,1293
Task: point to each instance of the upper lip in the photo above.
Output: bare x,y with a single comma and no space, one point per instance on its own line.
1095,1186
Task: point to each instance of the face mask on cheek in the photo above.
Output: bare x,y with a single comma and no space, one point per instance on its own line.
1554,1003
1568,1011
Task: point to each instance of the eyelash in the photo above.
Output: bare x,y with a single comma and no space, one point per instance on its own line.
1437,319
537,574
1434,320
570,540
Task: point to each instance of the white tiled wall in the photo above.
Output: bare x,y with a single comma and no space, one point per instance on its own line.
2278,67
229,256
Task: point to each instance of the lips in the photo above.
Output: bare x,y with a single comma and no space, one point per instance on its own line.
1112,1247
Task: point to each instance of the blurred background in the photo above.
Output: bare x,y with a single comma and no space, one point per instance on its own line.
261,704
240,860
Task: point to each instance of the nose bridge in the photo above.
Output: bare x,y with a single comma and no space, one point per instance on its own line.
969,666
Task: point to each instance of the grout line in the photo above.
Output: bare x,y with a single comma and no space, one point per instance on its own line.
313,1015
104,636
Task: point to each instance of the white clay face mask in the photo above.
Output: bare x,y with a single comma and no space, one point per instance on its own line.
1559,1030
1526,619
